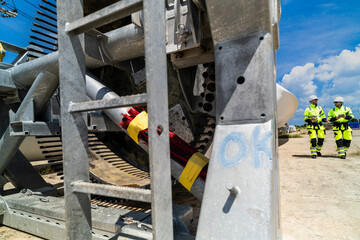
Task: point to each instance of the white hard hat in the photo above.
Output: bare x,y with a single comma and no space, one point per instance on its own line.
312,97
339,99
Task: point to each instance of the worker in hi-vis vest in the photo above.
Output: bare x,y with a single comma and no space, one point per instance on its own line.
340,116
314,116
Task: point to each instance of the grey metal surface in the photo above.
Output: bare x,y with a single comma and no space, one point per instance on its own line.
241,187
99,122
126,101
137,194
104,16
30,128
13,48
6,85
178,123
182,26
159,151
229,19
74,127
245,157
25,74
38,214
245,85
22,174
124,43
40,93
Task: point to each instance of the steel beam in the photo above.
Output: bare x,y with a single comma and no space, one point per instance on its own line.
242,180
40,93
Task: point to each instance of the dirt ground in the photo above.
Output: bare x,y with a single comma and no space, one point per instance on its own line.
320,198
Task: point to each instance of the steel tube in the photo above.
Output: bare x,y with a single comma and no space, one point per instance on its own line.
25,74
121,44
124,43
40,92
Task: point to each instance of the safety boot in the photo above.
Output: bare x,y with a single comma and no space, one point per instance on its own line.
313,156
319,154
343,157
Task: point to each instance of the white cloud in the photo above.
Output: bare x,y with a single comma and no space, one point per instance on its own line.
300,80
333,76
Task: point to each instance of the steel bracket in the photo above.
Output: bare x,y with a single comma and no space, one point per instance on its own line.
245,81
30,128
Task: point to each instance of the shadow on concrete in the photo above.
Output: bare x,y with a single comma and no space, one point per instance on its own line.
282,141
309,156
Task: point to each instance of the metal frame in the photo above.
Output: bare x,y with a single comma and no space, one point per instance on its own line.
242,179
74,129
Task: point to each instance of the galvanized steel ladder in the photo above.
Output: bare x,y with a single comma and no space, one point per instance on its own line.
72,25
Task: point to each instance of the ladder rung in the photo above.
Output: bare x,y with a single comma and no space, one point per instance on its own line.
104,16
136,194
127,101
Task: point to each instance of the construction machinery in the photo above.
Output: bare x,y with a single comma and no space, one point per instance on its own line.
114,102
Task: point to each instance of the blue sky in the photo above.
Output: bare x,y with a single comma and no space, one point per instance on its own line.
17,30
319,49
320,52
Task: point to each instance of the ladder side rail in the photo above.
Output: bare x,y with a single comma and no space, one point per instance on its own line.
74,128
157,90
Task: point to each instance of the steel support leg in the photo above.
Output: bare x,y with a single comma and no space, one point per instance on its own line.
241,186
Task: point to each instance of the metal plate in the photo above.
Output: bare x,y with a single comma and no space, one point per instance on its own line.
245,81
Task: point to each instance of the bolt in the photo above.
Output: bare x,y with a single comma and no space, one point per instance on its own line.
234,190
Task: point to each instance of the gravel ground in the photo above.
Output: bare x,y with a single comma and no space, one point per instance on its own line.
320,198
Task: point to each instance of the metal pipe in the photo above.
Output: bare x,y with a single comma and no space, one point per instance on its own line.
124,43
121,44
24,74
40,92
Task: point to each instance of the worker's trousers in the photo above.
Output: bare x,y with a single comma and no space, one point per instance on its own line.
343,137
316,133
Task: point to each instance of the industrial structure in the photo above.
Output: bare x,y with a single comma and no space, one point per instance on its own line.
119,99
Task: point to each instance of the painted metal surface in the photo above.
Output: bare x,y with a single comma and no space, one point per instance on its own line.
243,157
